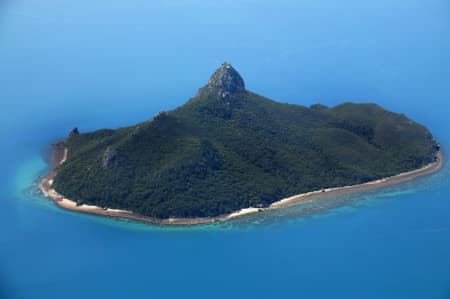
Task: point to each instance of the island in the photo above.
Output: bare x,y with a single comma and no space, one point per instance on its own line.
228,152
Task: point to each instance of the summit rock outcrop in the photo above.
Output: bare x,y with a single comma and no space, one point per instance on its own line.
224,82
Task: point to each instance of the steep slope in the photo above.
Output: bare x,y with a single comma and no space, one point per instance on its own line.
228,148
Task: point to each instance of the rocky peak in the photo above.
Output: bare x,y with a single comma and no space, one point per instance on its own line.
225,81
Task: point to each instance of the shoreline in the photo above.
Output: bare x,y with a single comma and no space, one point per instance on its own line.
59,156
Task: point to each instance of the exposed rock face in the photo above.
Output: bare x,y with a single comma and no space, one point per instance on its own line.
108,157
160,115
74,132
225,81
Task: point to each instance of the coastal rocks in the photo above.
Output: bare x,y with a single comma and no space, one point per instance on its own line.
224,82
74,132
109,155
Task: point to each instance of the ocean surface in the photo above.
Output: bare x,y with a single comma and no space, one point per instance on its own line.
112,63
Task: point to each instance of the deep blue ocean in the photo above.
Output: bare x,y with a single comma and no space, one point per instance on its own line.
112,63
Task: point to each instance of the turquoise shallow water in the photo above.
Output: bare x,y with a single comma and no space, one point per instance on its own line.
113,63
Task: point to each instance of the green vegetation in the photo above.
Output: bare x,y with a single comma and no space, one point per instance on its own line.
221,152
